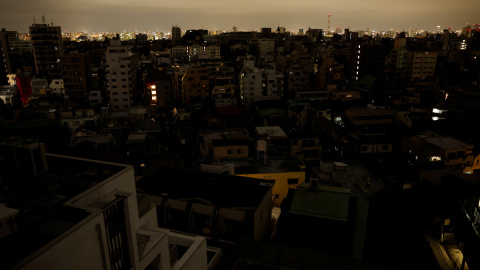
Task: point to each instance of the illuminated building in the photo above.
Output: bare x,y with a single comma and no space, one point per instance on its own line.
47,47
366,59
120,75
440,152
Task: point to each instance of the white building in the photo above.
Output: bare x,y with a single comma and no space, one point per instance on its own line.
57,87
12,79
120,75
420,64
7,93
273,83
99,224
251,79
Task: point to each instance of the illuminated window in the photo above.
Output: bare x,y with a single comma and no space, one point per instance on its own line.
435,158
154,98
154,92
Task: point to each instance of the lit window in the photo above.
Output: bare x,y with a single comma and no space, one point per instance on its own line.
154,98
154,92
435,158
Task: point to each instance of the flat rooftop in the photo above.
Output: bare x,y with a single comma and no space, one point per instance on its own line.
272,132
447,143
202,187
39,200
228,134
275,165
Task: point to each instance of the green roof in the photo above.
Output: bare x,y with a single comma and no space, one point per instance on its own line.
325,202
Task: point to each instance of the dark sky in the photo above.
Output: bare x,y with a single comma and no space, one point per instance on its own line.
160,15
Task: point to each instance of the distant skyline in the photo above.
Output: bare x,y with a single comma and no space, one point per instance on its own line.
154,15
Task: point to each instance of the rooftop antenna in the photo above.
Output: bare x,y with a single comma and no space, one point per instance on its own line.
43,18
33,19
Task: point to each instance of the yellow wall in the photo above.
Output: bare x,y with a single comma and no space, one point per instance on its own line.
281,185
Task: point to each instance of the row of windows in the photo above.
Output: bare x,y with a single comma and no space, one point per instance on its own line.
232,151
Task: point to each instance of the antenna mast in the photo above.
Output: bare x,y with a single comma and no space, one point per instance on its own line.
328,29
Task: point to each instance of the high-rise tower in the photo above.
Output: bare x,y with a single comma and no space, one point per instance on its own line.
47,49
120,73
176,33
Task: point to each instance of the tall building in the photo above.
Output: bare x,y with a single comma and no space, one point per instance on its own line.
176,33
120,75
76,75
251,79
4,59
397,59
47,48
10,44
195,83
366,59
420,64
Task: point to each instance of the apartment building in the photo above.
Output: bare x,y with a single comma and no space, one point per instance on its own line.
195,84
420,64
47,47
76,75
88,216
120,75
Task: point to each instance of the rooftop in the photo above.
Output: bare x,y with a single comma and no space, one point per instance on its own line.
275,165
39,200
272,132
227,134
202,187
446,143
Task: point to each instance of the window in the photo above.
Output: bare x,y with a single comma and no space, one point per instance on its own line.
363,148
384,147
292,181
435,158
230,151
239,151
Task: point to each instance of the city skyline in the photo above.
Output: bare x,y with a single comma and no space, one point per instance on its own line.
147,15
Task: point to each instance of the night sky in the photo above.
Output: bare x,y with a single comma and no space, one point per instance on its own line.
160,15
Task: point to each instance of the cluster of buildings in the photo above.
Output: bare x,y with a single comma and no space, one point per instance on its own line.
212,151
